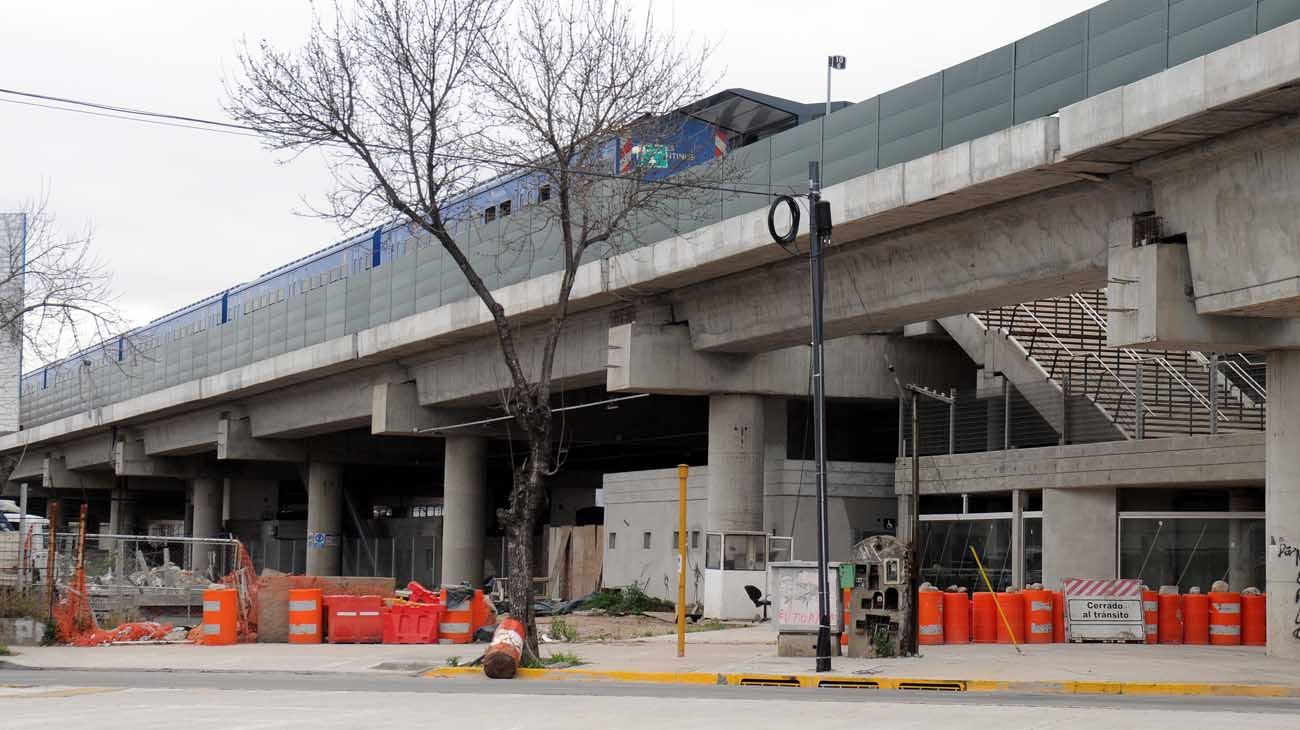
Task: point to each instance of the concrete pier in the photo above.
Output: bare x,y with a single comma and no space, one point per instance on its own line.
1079,534
1282,503
207,496
464,509
324,518
736,445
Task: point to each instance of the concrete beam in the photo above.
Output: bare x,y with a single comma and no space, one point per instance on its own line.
473,373
396,411
93,452
57,475
659,359
182,435
30,468
130,460
336,403
235,441
1223,461
1038,246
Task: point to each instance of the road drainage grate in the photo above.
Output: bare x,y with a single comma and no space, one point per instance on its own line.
933,686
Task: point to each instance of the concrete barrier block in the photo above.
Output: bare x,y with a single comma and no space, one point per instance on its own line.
1256,65
1093,122
1163,99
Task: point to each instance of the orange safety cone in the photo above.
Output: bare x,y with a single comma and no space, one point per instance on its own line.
501,660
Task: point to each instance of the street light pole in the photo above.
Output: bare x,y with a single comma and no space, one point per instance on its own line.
819,233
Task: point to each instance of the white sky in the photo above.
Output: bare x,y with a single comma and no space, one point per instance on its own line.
180,214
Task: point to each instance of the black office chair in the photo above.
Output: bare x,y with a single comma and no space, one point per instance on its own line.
756,596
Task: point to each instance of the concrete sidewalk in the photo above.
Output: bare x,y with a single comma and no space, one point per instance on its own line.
747,651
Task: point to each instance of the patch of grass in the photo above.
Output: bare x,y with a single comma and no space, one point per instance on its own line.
627,600
710,625
561,658
4,651
453,661
563,630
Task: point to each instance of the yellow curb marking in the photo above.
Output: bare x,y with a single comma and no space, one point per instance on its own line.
809,681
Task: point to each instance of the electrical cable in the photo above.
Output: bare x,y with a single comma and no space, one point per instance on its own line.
247,130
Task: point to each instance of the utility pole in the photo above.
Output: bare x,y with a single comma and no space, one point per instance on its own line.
819,231
908,644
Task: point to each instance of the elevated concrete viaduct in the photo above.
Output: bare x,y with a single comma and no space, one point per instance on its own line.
1043,208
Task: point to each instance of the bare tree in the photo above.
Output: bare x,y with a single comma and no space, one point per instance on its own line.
417,101
56,296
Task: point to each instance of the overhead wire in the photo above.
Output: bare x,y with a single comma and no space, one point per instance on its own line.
211,125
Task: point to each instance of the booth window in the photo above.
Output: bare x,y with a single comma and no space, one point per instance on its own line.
713,551
744,552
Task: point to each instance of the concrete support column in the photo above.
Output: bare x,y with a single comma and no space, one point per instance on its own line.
1282,504
324,518
206,497
1080,529
1017,539
735,475
1240,559
121,511
464,509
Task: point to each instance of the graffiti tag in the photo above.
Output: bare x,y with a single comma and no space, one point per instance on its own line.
1285,550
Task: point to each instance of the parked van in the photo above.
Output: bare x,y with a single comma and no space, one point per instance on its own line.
12,526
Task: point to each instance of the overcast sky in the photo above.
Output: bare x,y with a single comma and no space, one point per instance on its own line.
180,214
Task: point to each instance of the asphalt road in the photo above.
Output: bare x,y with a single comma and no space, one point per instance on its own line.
202,700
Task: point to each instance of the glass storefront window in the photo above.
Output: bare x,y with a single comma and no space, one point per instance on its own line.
1193,550
946,557
1033,550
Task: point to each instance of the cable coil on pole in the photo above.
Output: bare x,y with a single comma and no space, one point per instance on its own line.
793,233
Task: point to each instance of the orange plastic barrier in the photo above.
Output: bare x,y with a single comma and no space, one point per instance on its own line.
1196,618
1254,620
1058,616
1170,619
412,623
355,619
305,616
929,618
1151,615
459,622
220,616
984,618
1039,606
1013,606
956,618
1225,618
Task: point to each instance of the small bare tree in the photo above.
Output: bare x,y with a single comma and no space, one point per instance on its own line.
417,101
56,296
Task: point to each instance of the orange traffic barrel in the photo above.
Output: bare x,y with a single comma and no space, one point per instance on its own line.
1254,619
929,618
460,621
984,618
1225,618
1058,616
1039,606
304,615
1013,608
1170,618
1151,615
956,618
1196,618
220,616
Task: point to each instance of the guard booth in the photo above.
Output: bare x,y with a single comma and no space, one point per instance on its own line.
733,560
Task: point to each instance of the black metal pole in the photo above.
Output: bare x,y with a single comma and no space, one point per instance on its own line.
819,226
910,643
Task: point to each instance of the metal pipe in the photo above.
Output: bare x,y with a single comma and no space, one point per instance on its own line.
1140,422
816,265
908,639
1214,393
952,421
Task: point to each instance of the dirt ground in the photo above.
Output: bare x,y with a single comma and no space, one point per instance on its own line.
592,626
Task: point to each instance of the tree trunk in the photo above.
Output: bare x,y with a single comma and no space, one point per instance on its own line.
520,521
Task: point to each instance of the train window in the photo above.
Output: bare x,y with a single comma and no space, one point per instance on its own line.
505,208
544,193
490,214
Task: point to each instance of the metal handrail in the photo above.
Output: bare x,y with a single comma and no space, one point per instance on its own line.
1087,355
1163,363
1246,377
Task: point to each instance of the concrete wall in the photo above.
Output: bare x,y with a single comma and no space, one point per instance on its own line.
859,498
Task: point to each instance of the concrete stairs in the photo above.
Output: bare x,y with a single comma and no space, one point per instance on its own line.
1062,341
